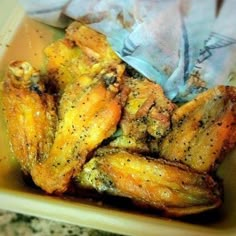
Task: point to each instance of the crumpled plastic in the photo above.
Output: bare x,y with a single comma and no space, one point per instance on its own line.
186,46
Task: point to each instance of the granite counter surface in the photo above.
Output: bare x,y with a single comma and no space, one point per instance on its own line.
15,224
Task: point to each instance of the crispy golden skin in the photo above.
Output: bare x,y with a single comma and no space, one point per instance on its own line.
65,62
203,130
82,52
164,185
93,100
30,114
89,112
91,42
146,116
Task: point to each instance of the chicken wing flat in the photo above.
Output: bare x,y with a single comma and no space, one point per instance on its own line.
83,51
146,116
30,114
203,130
158,183
88,113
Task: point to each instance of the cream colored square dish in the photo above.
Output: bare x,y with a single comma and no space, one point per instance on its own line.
24,39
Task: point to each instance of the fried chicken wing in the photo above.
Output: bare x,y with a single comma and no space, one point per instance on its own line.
164,185
114,133
91,42
65,62
203,130
88,113
83,51
146,116
30,114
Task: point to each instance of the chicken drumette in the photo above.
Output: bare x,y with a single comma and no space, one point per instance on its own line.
30,114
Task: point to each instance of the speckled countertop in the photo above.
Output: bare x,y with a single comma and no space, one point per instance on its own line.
14,224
